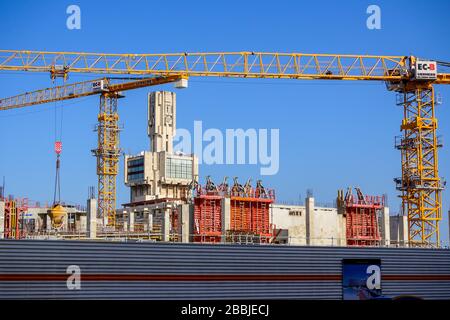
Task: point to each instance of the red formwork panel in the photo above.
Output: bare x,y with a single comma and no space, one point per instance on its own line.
207,218
250,213
362,222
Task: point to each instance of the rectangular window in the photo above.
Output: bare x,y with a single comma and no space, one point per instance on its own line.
135,170
179,168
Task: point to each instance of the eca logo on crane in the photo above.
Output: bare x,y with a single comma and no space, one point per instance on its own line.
426,70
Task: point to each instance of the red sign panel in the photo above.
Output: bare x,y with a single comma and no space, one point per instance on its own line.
58,147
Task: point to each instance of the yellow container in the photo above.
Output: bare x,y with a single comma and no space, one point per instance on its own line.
57,214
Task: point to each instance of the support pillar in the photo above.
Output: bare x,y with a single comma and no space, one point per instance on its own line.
150,222
403,231
186,222
309,206
385,227
165,225
226,217
342,230
131,220
83,224
92,218
2,219
145,217
48,223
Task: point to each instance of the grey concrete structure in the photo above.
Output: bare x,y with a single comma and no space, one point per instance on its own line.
2,219
309,206
399,230
165,224
384,223
186,228
159,178
310,224
149,221
48,222
160,173
92,218
83,223
130,221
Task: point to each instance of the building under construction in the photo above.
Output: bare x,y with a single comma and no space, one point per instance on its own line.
207,232
168,203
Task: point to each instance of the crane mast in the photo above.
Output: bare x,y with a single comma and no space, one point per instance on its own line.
413,79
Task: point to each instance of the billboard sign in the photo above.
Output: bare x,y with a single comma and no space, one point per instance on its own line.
361,279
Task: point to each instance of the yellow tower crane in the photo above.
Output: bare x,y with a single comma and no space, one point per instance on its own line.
413,78
108,151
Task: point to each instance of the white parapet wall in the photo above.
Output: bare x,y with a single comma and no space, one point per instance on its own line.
314,225
309,224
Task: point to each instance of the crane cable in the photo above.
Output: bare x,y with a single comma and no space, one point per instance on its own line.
58,149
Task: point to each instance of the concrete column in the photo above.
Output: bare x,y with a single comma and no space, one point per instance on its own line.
131,220
309,206
403,231
48,221
342,232
2,219
186,222
385,227
83,226
92,218
150,222
165,228
145,215
226,217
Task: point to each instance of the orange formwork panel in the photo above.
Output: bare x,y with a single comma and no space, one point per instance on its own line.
208,217
14,210
250,213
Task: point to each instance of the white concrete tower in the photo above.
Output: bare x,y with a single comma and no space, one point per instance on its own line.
161,120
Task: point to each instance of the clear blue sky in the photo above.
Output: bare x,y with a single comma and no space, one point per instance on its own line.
332,134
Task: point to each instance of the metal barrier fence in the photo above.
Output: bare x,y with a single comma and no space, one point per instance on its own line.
240,238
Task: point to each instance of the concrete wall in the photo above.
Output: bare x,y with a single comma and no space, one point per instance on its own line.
309,224
292,218
399,230
326,227
312,225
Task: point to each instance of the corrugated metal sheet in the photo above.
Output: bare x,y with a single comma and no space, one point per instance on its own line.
182,266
